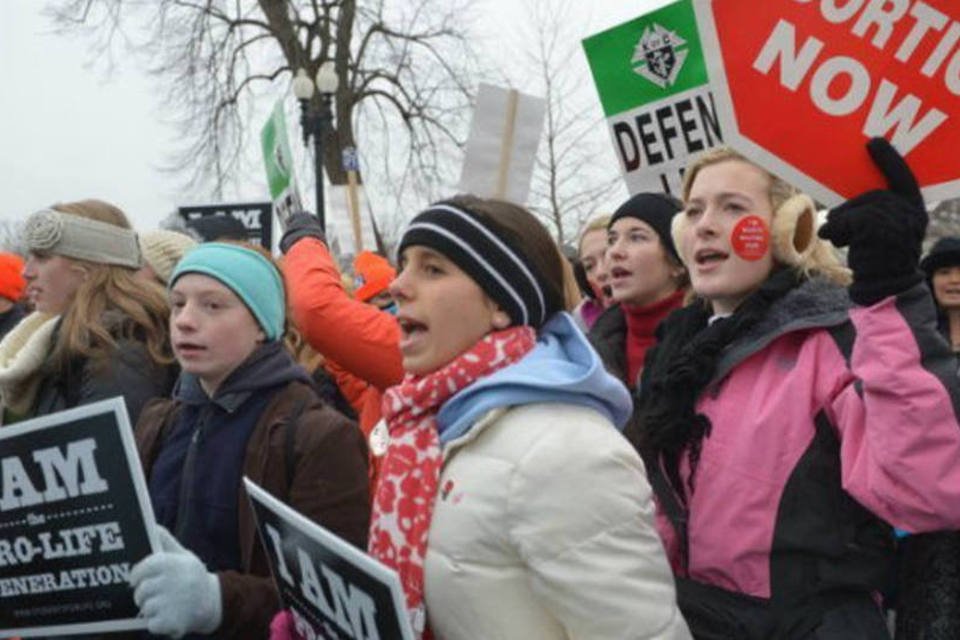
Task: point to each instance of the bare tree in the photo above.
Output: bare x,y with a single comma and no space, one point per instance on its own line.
405,72
11,239
575,170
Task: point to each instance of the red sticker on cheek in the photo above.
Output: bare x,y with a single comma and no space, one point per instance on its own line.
751,238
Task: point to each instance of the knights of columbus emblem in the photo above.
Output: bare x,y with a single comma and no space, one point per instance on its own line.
658,56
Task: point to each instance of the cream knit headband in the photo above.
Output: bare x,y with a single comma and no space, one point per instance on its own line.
77,237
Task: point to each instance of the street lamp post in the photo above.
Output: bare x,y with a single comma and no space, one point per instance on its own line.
316,123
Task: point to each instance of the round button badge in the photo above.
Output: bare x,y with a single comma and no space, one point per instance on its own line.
751,238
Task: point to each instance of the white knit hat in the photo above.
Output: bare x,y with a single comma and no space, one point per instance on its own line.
162,250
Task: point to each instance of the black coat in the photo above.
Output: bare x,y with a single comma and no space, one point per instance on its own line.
130,373
608,335
929,587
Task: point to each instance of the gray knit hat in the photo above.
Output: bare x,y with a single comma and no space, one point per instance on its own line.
73,236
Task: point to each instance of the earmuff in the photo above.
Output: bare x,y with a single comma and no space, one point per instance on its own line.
793,232
678,225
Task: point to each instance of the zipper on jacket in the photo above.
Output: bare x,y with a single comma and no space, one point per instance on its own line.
187,475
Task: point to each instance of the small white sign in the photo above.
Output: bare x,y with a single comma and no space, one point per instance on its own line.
339,223
503,142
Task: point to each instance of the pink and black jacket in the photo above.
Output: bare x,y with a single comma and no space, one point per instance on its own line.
828,424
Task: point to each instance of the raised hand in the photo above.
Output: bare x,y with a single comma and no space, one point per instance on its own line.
883,229
301,225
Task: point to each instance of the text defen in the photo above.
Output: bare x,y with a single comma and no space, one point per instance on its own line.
689,125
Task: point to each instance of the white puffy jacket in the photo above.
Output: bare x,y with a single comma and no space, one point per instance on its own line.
544,529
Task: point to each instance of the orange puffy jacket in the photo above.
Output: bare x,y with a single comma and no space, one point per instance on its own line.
358,340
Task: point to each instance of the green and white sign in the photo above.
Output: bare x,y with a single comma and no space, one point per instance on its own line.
652,80
278,162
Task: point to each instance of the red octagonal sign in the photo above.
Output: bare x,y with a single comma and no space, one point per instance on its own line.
803,84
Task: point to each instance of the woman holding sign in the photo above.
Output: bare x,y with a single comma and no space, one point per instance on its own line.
508,502
785,429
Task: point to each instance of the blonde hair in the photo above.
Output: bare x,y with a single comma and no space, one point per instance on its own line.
821,260
597,223
84,330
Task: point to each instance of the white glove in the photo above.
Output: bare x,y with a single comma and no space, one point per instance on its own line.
175,592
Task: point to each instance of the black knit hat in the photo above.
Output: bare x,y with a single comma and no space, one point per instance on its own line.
486,254
657,210
213,228
945,253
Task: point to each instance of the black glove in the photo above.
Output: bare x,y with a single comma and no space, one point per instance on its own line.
883,228
301,225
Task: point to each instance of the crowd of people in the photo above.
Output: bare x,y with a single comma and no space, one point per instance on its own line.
708,424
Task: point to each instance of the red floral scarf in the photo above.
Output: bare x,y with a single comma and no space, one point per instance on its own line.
410,472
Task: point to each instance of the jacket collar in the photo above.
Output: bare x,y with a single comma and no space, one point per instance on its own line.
609,337
562,367
479,427
190,392
269,365
814,304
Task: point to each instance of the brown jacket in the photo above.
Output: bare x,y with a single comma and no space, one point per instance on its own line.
329,486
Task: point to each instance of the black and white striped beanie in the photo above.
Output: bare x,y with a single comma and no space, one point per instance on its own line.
485,253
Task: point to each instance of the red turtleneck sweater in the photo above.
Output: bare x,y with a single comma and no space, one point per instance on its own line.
642,321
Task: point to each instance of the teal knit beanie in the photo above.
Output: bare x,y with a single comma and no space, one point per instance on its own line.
247,273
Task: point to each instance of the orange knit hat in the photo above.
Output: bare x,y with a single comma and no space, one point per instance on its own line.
372,273
11,276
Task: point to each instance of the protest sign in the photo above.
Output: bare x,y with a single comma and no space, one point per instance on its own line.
502,147
278,162
653,86
803,84
334,590
74,519
351,164
340,221
256,217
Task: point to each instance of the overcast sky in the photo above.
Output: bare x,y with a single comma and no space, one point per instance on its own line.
68,131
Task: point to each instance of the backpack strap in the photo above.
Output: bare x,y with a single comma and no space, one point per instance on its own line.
170,410
290,440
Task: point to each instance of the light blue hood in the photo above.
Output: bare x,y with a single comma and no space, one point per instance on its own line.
562,367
